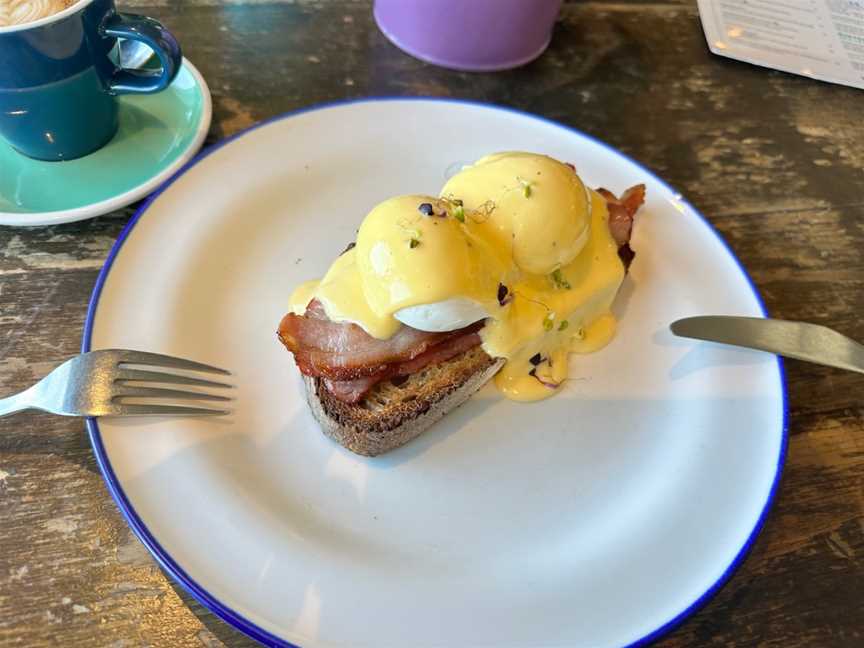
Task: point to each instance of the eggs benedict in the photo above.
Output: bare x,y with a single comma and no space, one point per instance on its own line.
516,262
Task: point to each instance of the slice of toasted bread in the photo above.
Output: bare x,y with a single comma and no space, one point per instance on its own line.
391,415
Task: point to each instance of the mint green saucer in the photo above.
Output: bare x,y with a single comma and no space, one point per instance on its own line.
158,134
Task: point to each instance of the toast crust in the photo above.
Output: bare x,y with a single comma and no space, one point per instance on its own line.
392,415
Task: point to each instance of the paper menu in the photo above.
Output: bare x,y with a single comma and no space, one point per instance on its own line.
822,39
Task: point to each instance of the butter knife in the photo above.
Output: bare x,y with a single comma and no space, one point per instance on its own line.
799,340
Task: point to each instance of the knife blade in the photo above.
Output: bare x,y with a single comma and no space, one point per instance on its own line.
799,340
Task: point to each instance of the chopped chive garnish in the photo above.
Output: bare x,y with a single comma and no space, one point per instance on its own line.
563,325
426,209
548,321
459,213
560,281
413,243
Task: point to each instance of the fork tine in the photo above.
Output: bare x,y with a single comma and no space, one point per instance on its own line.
142,375
157,359
120,409
158,392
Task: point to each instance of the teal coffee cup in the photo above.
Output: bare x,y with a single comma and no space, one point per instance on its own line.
60,76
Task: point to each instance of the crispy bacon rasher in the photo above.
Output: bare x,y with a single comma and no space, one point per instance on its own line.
621,213
352,362
353,391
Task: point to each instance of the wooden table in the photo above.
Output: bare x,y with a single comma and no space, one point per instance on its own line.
775,161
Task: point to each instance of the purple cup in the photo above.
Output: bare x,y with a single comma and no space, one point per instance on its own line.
475,35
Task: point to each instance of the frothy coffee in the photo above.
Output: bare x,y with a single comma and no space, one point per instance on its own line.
19,12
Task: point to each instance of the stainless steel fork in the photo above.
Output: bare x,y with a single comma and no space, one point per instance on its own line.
100,383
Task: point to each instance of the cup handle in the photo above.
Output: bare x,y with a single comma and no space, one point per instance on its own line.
155,36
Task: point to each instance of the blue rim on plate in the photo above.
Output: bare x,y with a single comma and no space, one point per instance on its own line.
267,638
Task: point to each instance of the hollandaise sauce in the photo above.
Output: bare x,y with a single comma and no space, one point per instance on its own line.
516,240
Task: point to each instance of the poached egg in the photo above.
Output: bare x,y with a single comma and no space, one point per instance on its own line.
515,239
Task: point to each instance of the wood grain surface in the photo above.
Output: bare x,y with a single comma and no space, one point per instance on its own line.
775,161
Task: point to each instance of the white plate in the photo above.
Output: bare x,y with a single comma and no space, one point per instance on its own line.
601,517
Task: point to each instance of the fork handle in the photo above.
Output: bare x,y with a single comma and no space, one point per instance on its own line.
16,403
